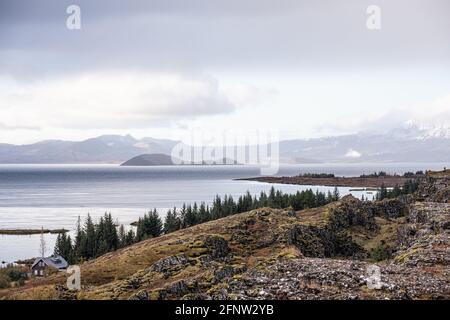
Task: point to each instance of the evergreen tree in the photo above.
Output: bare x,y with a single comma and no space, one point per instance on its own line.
190,218
203,213
122,237
308,199
336,194
63,247
90,244
329,196
271,197
183,216
149,226
58,244
171,221
296,201
130,238
263,200
396,191
383,193
216,210
110,233
79,241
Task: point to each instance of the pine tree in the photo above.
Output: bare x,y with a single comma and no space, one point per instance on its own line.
336,194
63,247
79,241
171,221
396,191
329,196
203,213
271,197
216,210
155,224
296,201
131,238
183,216
190,218
110,233
149,226
58,244
383,193
90,239
122,237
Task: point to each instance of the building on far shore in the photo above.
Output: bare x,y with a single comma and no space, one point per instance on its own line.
41,266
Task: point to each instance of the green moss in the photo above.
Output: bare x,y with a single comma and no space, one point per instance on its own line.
381,252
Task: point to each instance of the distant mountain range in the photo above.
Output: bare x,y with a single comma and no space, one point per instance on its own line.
410,144
103,149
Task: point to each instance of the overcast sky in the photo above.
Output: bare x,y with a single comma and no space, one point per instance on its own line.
161,67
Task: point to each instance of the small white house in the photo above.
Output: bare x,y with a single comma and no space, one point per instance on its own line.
40,265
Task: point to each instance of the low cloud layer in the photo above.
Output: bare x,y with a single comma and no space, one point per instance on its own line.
116,100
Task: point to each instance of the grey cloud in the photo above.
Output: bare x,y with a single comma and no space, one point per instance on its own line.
200,34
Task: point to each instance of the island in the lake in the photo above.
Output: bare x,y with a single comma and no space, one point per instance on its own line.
160,159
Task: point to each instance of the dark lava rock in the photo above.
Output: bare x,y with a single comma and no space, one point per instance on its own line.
141,295
322,242
391,208
170,265
227,272
63,293
218,246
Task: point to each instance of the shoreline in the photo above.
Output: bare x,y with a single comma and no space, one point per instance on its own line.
27,232
366,183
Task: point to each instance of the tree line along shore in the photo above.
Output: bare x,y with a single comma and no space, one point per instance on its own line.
372,181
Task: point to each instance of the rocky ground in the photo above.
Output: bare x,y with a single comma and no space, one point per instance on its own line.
350,249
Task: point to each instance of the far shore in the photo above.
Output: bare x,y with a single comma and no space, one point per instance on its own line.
352,182
18,232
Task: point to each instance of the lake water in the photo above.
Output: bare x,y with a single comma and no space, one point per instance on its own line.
53,196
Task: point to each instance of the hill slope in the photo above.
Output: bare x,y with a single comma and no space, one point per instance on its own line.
319,253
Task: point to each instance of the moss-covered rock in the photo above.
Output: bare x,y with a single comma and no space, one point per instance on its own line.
217,246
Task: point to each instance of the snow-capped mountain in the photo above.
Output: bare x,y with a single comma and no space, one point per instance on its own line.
431,132
409,143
